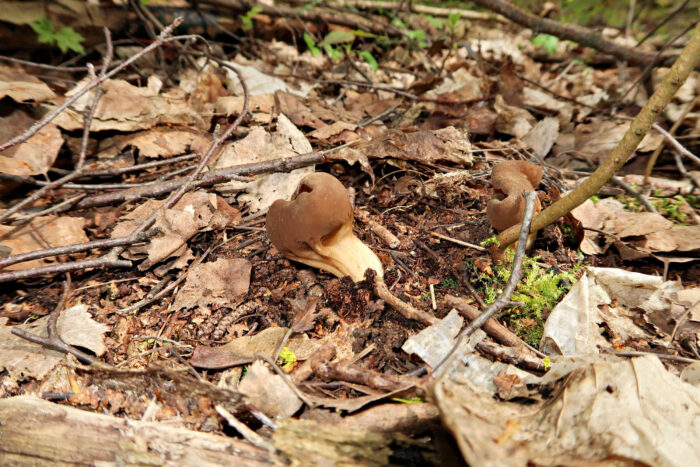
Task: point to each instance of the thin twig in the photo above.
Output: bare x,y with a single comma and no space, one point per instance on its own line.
76,248
285,377
252,437
628,188
503,299
100,263
54,341
655,155
407,310
457,242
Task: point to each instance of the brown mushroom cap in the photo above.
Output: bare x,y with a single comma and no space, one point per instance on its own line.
315,228
509,179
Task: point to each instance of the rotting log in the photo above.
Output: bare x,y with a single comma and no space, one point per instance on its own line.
34,431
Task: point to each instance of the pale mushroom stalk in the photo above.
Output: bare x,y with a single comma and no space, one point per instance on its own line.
346,255
315,228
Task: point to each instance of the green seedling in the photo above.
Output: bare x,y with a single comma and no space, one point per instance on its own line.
311,44
550,43
449,283
247,19
344,40
66,39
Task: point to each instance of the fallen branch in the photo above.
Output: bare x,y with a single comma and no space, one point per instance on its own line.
35,431
407,310
210,178
572,32
673,80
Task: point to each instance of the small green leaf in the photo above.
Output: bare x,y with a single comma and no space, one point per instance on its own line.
68,39
412,400
247,19
311,44
367,57
332,53
454,17
398,23
546,362
434,22
44,30
337,37
547,41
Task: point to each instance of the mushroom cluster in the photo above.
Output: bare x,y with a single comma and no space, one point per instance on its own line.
509,180
315,228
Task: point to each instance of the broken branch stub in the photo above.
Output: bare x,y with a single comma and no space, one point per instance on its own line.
315,228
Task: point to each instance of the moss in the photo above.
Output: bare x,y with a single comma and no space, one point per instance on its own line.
539,290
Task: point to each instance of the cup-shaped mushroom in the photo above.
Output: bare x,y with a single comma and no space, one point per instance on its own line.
315,228
509,180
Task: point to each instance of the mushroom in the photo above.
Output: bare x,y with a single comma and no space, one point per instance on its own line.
509,180
315,228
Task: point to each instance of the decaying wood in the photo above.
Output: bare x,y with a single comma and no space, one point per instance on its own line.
34,431
492,327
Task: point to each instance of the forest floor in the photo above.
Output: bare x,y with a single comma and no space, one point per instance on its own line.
155,295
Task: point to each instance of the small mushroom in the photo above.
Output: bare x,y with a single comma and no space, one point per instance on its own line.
315,228
509,179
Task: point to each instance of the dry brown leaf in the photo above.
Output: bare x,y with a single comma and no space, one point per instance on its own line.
24,359
261,106
448,144
125,107
633,224
22,87
36,155
677,238
243,349
597,138
191,214
542,136
43,232
162,142
221,282
259,146
292,106
268,392
328,131
512,120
